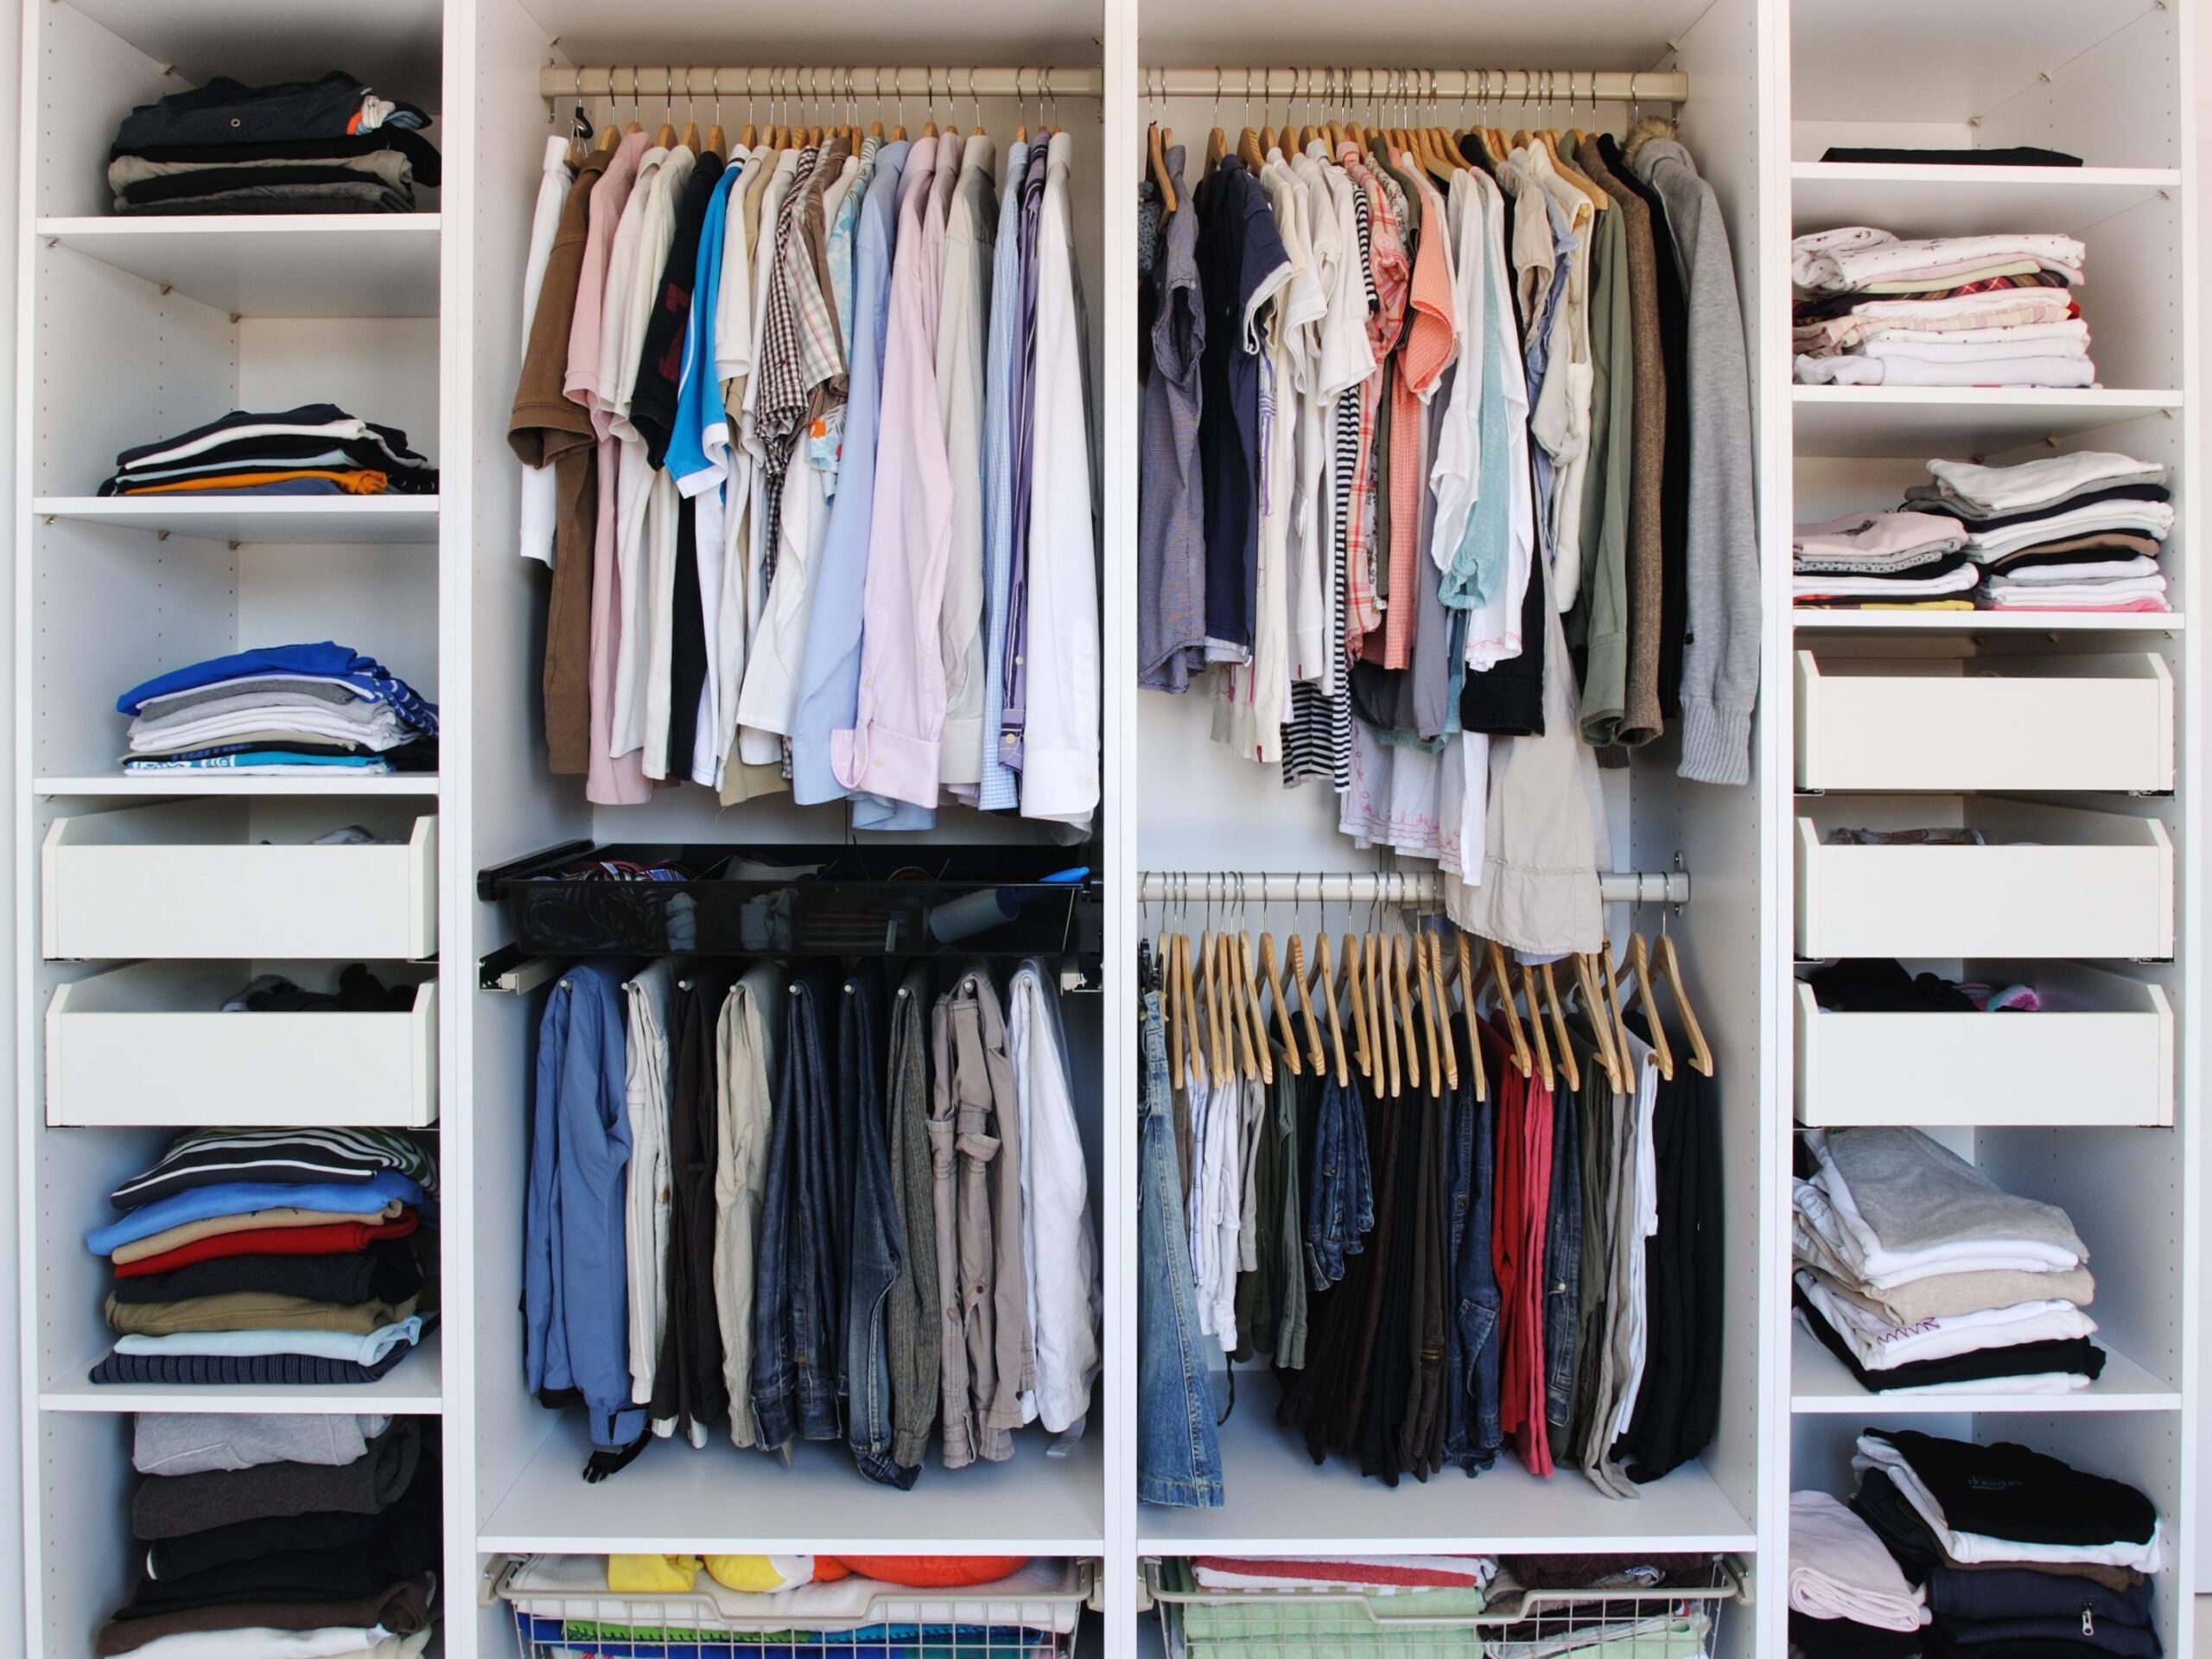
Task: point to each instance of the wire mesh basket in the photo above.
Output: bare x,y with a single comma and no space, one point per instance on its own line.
1617,1620
897,1622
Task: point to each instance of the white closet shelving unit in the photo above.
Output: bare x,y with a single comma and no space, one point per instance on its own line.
2106,1129
128,330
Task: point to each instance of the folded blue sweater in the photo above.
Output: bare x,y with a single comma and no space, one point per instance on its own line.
242,1198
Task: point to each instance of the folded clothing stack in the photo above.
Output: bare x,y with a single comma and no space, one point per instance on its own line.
1906,560
1872,310
327,146
280,708
268,1256
292,1536
315,449
2074,532
2018,1553
1874,986
1848,1599
1917,1273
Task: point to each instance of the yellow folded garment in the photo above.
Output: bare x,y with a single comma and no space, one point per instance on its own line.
645,1575
760,1573
253,1310
354,483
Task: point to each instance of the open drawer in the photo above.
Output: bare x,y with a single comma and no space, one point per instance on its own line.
2061,881
2099,1052
2052,721
149,1045
200,879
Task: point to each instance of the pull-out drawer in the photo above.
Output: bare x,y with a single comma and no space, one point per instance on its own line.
2098,1051
149,1045
197,879
2069,883
2103,721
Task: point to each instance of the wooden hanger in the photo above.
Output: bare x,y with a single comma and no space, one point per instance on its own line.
1396,963
1273,976
1384,1006
1426,997
1613,1014
1208,984
1601,1023
1465,969
1670,967
1543,1044
1329,1002
1440,1009
1186,989
1156,143
1348,971
1263,1050
609,136
1500,976
1567,1063
691,136
1233,988
750,137
1639,962
1216,147
1163,954
1248,150
1305,999
718,140
666,138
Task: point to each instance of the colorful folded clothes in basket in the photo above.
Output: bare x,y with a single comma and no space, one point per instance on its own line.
268,1257
327,146
315,449
291,1535
312,707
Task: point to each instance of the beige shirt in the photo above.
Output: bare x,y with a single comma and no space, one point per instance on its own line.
963,319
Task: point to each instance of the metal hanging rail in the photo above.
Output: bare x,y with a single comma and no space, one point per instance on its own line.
1344,84
1418,888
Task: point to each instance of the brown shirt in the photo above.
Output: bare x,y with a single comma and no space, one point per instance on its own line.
543,423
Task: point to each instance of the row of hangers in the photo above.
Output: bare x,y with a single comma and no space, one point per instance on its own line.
1435,148
782,136
1392,986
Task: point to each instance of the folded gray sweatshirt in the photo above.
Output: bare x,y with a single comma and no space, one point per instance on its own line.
1721,649
1916,1193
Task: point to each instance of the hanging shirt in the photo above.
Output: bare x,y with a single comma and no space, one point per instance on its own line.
891,748
1494,629
963,324
1171,496
1060,740
538,507
1060,1248
1013,713
998,790
647,1084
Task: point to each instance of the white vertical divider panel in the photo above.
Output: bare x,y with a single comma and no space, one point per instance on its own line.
13,1391
1121,160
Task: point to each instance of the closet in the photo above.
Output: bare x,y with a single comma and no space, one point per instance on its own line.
129,329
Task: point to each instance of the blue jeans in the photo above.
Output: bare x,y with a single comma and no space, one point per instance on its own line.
1472,1433
794,1349
1563,1256
876,1250
1340,1192
1178,1448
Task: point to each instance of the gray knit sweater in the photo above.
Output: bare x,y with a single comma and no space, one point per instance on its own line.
1720,652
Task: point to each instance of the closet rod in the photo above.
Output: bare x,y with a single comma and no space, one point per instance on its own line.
1416,887
1420,86
833,82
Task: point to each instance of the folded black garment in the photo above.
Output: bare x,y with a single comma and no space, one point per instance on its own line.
328,1154
269,200
2030,1592
1869,985
282,1370
422,155
1995,1637
386,1271
2075,1354
226,111
169,1506
2008,155
400,1608
1843,1638
324,424
1941,1644
359,991
244,1544
1587,1572
1929,500
2001,1489
408,472
2116,549
220,181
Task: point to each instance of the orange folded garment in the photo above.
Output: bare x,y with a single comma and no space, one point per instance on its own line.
354,483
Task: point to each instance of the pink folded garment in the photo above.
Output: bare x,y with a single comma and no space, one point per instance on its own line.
2142,604
1381,1573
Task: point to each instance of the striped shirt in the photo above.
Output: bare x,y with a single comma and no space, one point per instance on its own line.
288,1156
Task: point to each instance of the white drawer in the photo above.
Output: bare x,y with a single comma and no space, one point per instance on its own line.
2092,884
149,1045
192,880
2101,720
2100,1051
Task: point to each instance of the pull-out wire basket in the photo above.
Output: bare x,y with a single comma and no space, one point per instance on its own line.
968,1622
1614,1621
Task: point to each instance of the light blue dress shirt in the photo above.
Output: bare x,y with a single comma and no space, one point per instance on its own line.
999,790
829,672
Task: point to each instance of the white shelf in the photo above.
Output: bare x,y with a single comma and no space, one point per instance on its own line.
1807,619
1279,1503
1918,420
286,520
722,1500
1822,1385
393,46
272,265
410,1388
215,783
1923,200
